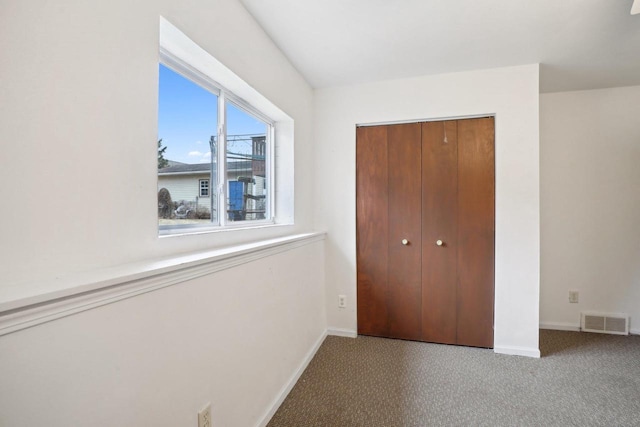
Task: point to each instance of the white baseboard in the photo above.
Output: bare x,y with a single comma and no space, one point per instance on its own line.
338,332
575,327
292,381
518,351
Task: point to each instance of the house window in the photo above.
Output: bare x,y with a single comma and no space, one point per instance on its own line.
204,188
205,129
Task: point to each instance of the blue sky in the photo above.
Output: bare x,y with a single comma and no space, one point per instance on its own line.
187,117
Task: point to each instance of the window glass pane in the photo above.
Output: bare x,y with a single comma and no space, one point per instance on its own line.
204,188
245,158
187,162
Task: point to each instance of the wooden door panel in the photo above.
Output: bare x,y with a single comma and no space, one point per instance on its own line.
405,289
372,230
439,206
476,231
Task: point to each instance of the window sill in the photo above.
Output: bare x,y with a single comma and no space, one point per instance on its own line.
26,305
206,229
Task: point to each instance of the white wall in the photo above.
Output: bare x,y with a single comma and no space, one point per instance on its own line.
590,204
233,338
78,132
511,94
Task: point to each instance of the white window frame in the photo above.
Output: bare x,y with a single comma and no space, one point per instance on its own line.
225,96
269,164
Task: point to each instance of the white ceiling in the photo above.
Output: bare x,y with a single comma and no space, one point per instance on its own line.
580,44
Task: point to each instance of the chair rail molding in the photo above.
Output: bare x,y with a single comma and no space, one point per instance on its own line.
81,292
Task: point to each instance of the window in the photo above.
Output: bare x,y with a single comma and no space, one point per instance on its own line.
245,158
214,154
204,188
214,126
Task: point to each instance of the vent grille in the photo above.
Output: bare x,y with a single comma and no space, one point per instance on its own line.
606,323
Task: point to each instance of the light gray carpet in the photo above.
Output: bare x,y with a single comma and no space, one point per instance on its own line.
582,379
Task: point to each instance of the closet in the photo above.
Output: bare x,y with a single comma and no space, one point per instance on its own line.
425,195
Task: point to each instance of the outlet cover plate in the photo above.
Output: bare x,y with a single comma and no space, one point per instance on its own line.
342,301
574,297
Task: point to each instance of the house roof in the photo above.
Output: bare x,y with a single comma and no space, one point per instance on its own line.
185,167
199,168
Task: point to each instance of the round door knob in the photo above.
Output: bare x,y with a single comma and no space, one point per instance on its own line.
439,242
405,242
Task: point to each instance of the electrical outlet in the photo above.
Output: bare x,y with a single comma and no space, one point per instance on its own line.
342,301
573,297
204,416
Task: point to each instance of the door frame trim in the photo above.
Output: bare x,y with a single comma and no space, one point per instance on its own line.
436,119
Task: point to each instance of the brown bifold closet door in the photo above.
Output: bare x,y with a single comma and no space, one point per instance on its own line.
372,230
476,231
439,231
458,217
405,239
425,231
388,230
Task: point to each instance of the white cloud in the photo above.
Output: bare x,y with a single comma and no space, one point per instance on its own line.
198,142
200,157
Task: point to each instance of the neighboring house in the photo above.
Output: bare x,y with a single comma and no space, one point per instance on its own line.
190,184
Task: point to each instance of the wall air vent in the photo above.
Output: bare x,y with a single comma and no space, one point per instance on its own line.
605,323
